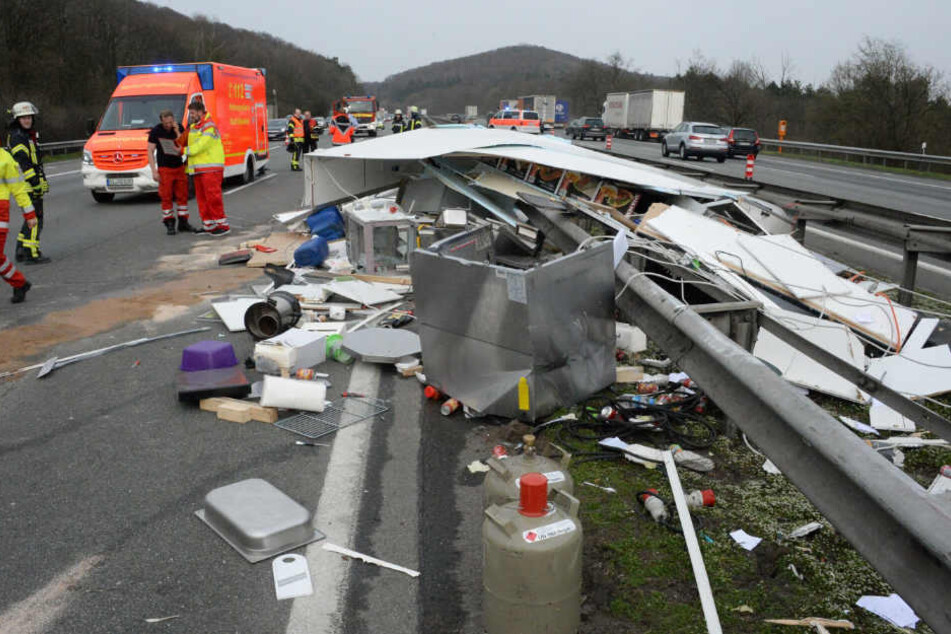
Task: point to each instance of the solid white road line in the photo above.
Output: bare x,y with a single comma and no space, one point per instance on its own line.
256,181
858,172
38,612
337,514
891,255
63,173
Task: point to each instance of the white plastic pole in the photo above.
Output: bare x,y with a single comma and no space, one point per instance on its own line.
693,547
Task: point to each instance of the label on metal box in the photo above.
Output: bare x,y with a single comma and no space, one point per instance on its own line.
548,531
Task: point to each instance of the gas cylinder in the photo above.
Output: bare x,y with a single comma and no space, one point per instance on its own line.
531,550
502,481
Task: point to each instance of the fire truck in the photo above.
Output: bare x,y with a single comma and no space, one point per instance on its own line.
364,110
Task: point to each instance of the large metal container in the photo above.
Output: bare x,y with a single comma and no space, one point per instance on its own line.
484,326
503,479
532,563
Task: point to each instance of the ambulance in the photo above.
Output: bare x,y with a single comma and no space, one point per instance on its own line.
115,159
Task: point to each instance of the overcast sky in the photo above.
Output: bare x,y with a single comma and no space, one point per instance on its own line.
376,44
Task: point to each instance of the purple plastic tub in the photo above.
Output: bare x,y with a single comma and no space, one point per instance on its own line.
208,355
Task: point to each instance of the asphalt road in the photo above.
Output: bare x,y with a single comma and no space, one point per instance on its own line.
102,469
913,194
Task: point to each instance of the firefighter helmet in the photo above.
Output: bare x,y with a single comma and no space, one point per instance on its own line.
398,111
413,109
23,109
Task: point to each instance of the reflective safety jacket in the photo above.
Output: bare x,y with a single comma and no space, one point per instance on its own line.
341,130
295,129
22,146
206,153
12,183
415,122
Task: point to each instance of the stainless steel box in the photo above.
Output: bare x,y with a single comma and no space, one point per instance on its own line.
257,519
483,326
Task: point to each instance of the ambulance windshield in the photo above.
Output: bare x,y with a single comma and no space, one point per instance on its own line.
140,112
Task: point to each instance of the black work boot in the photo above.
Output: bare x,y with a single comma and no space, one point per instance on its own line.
39,259
19,294
20,253
184,226
169,226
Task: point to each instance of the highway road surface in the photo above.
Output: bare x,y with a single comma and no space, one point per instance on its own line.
914,194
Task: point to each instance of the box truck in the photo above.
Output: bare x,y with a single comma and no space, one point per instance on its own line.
544,105
644,114
115,159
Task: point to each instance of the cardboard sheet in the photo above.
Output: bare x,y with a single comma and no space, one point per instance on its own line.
231,311
916,370
285,243
364,293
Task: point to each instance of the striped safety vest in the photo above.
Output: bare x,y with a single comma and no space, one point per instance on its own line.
206,153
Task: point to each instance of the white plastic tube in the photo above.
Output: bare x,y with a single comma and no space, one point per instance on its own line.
310,396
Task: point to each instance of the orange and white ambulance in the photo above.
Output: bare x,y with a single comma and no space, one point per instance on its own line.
518,120
115,159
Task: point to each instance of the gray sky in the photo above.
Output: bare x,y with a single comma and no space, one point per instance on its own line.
377,44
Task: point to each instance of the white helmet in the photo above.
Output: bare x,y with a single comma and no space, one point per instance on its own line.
398,111
413,109
23,109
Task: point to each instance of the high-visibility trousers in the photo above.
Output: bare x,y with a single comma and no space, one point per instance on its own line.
8,271
297,152
173,188
211,207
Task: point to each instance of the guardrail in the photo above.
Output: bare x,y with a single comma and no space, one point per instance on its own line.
925,162
62,146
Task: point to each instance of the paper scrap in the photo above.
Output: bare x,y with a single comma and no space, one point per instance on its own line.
370,560
885,418
858,426
164,618
677,377
891,608
744,609
770,468
804,530
639,451
620,247
477,466
744,539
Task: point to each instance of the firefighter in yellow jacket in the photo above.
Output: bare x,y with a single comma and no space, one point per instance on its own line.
21,140
295,139
206,163
12,183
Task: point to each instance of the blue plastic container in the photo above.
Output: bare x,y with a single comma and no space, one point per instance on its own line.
312,253
327,223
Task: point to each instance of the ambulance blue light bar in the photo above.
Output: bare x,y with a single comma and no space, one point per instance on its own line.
204,71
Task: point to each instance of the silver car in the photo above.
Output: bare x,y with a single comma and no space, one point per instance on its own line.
692,138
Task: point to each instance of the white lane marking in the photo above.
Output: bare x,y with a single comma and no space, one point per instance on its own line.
38,612
879,251
336,516
259,180
63,173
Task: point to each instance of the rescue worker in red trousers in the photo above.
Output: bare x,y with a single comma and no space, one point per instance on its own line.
21,141
295,139
169,171
206,162
311,132
12,183
341,128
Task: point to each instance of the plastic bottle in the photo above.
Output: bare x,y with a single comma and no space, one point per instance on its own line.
690,459
449,407
654,505
698,499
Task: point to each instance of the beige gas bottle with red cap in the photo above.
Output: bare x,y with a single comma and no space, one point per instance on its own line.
531,569
502,481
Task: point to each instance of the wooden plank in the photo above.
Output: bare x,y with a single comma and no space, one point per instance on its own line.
258,413
629,374
413,371
234,413
285,243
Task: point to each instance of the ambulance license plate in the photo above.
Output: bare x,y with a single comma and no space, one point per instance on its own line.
119,183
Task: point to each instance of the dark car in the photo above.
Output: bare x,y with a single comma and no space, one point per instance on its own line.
586,127
456,118
276,128
742,142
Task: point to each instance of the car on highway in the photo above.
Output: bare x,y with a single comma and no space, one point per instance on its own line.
456,118
276,128
586,127
695,138
518,120
321,123
742,142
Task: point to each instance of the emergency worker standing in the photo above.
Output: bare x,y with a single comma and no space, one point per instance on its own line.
310,132
295,139
415,121
169,170
21,141
341,129
399,123
12,183
206,161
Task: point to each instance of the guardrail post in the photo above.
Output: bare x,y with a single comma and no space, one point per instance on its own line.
908,279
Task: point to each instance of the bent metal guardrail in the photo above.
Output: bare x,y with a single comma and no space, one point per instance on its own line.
62,146
906,158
